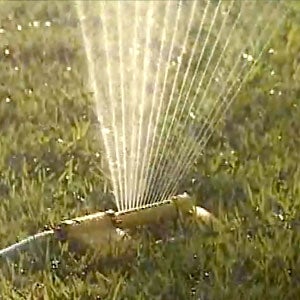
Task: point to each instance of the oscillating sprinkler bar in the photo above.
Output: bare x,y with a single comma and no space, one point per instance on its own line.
103,227
182,205
102,230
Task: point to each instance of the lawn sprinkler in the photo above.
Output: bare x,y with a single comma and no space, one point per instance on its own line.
104,230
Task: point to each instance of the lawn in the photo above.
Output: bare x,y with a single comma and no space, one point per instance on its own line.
51,169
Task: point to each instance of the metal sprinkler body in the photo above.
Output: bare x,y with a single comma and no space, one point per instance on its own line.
103,231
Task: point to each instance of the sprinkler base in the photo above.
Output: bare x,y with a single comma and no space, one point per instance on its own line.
104,230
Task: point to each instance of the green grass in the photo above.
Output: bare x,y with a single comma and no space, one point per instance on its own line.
50,169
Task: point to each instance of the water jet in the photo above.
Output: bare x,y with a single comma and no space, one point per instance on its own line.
159,70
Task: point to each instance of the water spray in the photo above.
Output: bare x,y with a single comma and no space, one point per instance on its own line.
102,230
160,91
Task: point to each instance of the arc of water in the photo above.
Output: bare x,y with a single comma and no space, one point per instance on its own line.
133,115
192,154
223,108
181,146
221,111
155,160
142,105
92,71
171,98
123,109
175,81
198,65
219,118
132,177
120,191
193,50
178,14
154,98
150,186
199,84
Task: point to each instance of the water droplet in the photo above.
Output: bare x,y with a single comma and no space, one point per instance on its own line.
250,58
6,51
106,131
247,57
28,91
193,291
47,23
59,140
68,68
36,23
279,137
97,154
2,30
192,115
7,100
19,27
16,68
279,93
271,92
271,51
272,73
120,232
55,264
280,217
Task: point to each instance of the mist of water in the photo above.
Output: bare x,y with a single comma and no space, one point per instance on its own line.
163,74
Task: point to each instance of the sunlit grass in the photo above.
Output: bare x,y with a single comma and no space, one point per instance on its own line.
51,169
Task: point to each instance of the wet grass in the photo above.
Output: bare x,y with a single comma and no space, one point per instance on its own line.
50,169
